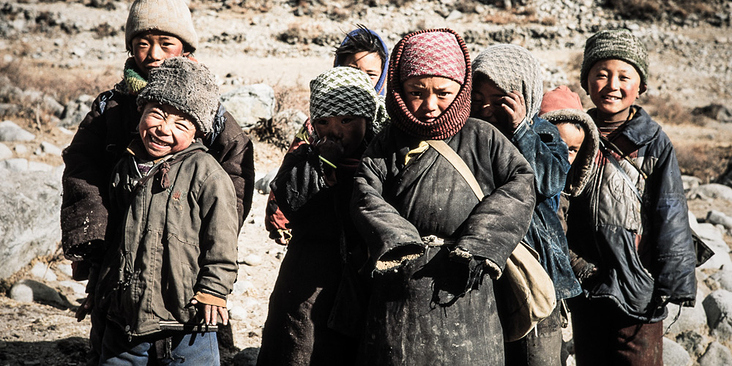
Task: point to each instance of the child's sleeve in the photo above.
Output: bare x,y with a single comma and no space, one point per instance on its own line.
546,153
218,236
675,259
85,178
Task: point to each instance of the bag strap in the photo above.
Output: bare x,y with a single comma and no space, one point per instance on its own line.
445,150
622,171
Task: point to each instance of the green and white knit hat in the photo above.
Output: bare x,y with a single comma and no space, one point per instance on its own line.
343,91
512,67
617,44
169,16
188,87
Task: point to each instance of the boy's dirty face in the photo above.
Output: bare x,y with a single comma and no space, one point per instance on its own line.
573,136
503,110
486,101
614,85
368,62
340,133
150,49
165,130
427,97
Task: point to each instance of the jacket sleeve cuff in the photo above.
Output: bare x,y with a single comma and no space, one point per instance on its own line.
209,299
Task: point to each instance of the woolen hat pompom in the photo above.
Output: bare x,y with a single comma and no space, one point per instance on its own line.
617,44
188,87
169,16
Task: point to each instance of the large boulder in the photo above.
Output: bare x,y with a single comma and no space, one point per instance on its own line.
716,355
713,190
9,131
250,104
690,319
723,278
674,354
714,238
30,203
718,306
719,218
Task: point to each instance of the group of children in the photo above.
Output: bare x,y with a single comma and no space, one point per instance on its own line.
400,201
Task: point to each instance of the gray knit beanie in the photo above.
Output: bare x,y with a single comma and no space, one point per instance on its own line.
512,67
187,86
617,44
169,16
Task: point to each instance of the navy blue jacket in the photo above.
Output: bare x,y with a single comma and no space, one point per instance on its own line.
545,151
643,250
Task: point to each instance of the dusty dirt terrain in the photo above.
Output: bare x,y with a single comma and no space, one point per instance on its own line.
72,52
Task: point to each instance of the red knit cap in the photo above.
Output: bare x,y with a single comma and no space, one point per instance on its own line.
433,54
560,98
453,118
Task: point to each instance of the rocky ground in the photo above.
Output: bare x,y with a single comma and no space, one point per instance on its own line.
52,53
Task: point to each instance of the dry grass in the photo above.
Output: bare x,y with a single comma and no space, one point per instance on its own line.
657,9
668,110
702,159
62,85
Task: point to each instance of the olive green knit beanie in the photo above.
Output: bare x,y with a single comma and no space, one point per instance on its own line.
169,16
188,87
617,44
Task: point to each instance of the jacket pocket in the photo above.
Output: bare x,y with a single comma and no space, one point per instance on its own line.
182,269
627,282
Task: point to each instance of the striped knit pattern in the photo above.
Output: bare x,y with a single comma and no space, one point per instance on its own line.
452,119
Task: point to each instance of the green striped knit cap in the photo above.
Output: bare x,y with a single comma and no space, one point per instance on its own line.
343,91
617,44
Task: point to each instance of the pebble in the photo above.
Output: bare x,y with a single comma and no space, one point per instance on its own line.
252,260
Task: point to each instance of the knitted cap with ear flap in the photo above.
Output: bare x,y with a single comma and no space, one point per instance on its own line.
617,44
344,91
188,87
169,16
512,67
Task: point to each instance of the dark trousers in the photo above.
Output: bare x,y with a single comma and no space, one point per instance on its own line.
605,336
541,347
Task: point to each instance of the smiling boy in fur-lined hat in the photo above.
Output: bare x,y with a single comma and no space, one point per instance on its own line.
155,30
171,261
630,221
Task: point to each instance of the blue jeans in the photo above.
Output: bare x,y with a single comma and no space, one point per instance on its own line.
186,348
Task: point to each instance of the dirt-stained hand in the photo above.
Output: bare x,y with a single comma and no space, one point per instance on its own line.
85,308
514,106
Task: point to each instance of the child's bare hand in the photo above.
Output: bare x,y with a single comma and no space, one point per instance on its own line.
514,107
85,308
212,312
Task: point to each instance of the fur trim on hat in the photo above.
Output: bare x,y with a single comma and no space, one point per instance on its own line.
451,120
168,16
187,86
512,67
582,167
617,44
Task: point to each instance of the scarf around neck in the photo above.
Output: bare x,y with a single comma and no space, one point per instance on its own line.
451,120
